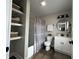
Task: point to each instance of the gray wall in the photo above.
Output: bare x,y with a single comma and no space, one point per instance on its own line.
52,19
31,32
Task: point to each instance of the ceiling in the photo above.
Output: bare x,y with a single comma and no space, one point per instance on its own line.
53,6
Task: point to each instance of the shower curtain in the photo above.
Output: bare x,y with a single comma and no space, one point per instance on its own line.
39,33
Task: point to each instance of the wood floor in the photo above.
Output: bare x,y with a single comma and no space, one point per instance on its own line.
42,54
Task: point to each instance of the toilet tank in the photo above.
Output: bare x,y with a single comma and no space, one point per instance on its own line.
49,38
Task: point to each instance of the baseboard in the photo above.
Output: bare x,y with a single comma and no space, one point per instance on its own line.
63,52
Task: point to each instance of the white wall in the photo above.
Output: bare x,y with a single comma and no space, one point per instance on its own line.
52,19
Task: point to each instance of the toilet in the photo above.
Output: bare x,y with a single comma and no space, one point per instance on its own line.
47,43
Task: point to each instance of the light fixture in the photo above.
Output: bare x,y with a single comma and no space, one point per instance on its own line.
43,3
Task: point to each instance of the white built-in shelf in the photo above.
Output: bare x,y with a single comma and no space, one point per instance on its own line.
15,5
16,24
17,11
16,38
14,32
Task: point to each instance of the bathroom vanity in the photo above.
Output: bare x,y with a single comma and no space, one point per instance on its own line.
62,45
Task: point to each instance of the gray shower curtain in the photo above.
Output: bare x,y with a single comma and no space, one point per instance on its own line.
39,33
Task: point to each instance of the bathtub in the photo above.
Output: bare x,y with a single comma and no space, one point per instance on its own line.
30,51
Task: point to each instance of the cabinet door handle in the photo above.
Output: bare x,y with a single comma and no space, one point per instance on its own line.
7,49
71,42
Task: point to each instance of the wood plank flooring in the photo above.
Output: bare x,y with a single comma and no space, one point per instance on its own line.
42,54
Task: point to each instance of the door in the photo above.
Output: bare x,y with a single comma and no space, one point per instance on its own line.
8,26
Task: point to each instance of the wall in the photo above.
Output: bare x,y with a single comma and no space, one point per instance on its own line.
52,19
31,32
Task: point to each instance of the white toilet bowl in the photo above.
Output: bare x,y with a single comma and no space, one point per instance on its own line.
47,44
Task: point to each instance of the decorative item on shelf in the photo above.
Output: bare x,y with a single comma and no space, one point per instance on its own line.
16,6
63,16
67,16
60,16
14,34
16,19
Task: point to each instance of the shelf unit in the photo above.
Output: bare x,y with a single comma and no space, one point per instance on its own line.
16,38
18,27
16,24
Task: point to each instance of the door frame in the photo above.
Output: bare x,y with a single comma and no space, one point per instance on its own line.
8,25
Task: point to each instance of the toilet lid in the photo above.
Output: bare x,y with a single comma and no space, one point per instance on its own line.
47,43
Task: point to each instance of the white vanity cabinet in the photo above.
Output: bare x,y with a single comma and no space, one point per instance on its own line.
62,45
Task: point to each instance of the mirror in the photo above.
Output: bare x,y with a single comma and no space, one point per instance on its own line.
63,25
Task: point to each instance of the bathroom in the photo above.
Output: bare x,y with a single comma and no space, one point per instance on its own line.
54,20
39,29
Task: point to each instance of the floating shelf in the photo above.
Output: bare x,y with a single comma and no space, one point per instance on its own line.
17,11
16,38
16,24
15,5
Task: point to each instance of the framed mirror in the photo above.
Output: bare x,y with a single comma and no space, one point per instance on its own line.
63,25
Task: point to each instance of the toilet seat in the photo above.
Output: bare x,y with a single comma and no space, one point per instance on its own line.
47,43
